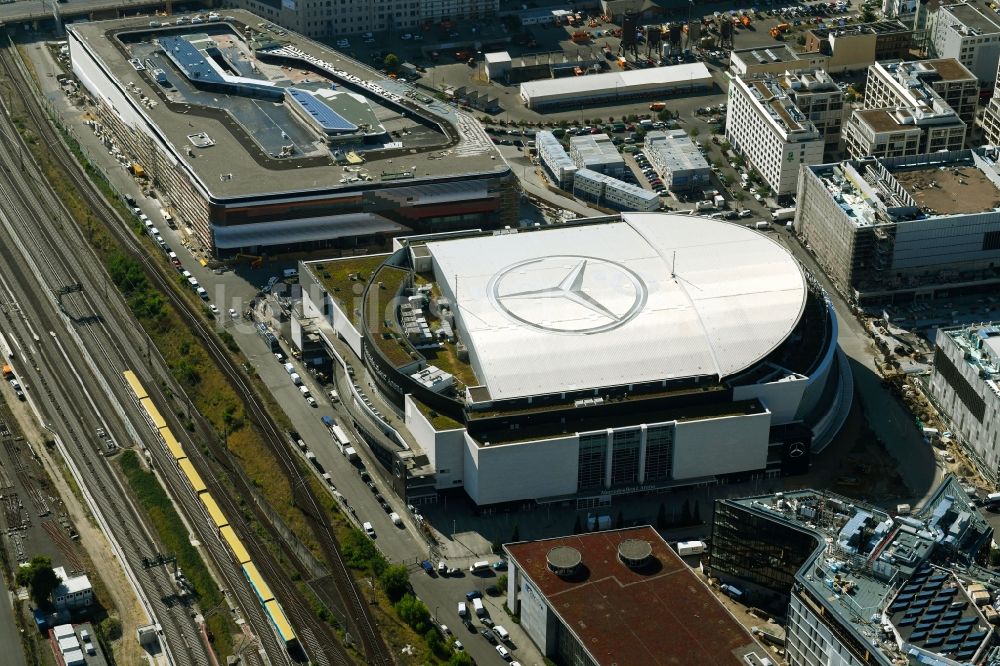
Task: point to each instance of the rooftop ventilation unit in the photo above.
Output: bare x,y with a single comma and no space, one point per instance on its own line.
634,553
563,561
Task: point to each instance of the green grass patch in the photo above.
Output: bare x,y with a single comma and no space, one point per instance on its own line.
334,276
174,536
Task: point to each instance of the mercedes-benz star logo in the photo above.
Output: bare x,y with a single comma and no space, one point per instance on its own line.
572,295
796,449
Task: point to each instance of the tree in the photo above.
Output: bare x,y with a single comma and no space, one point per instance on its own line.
801,40
665,115
502,583
867,14
460,659
694,132
391,62
434,642
413,612
110,628
395,581
39,578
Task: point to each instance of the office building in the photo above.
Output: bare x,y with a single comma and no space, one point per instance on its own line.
597,153
609,192
710,355
970,35
337,160
320,19
991,118
765,126
555,587
903,131
615,87
776,59
677,160
857,586
931,86
964,386
556,162
855,47
818,98
901,228
72,592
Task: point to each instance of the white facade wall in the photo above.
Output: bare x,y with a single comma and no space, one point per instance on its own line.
809,642
445,449
981,437
979,51
723,445
776,157
782,398
508,472
316,302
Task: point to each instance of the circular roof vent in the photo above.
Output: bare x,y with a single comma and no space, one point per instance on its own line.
563,560
634,553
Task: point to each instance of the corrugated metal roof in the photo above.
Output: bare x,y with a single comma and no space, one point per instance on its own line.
657,296
693,73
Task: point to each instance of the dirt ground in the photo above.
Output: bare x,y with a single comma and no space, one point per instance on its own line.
96,545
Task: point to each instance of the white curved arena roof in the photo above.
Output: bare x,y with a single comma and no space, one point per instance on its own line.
654,297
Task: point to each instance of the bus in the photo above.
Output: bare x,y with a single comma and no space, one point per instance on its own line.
339,436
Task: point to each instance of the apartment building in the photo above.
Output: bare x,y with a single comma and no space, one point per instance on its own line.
322,19
612,193
556,162
597,153
677,160
919,84
968,34
965,386
769,130
820,99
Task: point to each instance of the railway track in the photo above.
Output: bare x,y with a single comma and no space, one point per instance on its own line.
318,639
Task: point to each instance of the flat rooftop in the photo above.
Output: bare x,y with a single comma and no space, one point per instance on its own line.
868,562
609,606
434,142
876,28
761,55
653,297
884,120
974,19
960,189
951,69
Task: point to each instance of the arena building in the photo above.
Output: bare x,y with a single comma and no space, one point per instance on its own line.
591,359
262,142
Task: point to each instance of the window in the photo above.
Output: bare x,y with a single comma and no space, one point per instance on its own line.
625,460
592,458
659,452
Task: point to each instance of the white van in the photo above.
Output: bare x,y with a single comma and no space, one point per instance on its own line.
304,390
482,565
289,368
202,293
501,633
462,609
477,605
296,379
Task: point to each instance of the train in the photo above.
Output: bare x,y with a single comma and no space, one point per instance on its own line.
272,608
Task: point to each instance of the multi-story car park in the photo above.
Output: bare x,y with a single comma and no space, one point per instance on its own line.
612,193
337,159
969,35
965,388
677,160
597,153
857,586
904,228
320,19
923,84
593,359
766,127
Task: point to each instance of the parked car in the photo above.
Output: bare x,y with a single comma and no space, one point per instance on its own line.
488,635
474,594
369,530
429,568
